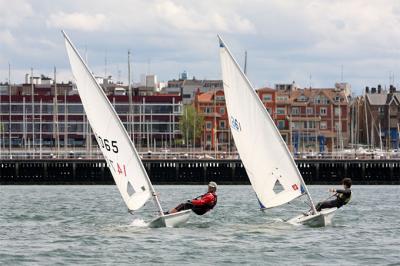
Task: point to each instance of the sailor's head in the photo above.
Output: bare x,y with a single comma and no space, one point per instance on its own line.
346,182
212,186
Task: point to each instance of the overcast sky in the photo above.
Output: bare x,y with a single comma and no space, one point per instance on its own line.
302,41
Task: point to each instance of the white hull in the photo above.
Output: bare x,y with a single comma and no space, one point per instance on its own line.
320,219
171,220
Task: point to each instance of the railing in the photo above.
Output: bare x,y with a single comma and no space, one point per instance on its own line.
188,153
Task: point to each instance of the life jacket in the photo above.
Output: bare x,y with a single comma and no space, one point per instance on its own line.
212,205
202,209
343,198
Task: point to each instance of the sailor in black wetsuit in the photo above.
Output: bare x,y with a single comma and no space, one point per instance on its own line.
342,196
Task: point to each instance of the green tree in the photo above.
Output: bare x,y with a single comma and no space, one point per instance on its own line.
191,123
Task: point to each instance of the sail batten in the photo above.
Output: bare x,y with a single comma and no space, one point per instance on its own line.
117,148
261,147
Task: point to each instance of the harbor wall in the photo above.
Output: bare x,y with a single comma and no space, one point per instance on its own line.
193,171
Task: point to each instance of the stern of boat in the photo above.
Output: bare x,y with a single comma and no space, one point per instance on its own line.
171,220
320,219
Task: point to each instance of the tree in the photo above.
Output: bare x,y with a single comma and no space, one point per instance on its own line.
191,123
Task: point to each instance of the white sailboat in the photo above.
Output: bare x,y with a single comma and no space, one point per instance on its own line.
270,167
118,150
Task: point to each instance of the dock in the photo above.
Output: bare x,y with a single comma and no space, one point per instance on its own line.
191,171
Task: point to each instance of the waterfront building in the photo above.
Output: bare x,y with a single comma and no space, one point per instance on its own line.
378,111
55,118
189,87
310,119
216,133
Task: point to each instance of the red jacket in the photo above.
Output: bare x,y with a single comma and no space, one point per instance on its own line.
209,199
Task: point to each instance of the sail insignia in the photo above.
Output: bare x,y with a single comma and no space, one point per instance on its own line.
278,188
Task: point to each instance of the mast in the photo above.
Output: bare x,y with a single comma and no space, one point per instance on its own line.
380,136
130,118
366,117
24,135
65,123
9,113
340,126
389,141
333,129
40,129
33,115
215,125
56,128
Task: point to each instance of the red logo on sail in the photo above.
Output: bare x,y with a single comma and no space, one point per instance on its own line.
295,187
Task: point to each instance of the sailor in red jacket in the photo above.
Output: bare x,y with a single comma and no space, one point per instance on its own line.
201,204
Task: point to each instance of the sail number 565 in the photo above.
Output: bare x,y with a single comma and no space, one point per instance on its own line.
109,144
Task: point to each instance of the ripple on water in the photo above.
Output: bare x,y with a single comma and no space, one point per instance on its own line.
89,225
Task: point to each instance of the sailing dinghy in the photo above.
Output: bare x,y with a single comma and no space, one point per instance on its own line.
270,167
118,150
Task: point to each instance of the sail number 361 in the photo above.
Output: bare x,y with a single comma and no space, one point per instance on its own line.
109,145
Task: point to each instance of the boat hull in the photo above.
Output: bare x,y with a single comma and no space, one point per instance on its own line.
320,219
170,220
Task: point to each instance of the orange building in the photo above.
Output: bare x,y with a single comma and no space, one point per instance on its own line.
268,97
216,134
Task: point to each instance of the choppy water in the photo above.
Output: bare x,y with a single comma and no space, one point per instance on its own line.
50,225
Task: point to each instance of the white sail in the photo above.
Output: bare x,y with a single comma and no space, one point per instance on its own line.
264,153
122,159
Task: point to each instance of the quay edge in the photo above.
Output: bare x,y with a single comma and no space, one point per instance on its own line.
187,171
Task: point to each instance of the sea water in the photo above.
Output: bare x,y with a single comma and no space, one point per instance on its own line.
90,225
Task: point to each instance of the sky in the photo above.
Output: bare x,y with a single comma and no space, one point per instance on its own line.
314,43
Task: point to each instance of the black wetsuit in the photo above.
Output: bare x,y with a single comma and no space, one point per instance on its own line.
342,198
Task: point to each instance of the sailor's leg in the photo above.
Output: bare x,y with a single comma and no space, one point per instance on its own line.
326,204
181,207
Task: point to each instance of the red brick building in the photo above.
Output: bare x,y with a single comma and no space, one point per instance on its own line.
319,118
211,105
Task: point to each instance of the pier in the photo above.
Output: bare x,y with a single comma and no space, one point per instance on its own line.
189,171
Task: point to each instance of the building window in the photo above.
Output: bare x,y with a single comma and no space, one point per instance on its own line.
337,125
220,98
322,111
321,100
323,125
222,110
222,124
267,97
309,110
302,98
295,110
208,125
207,110
337,111
282,98
281,111
337,99
281,124
296,125
309,124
